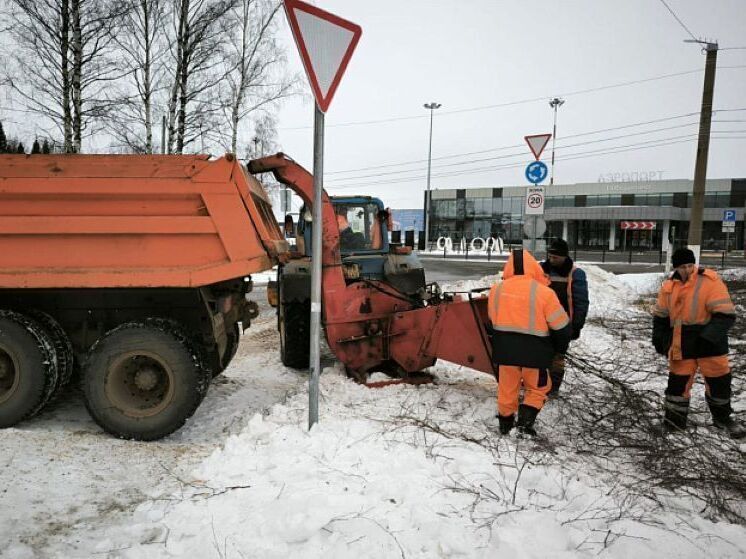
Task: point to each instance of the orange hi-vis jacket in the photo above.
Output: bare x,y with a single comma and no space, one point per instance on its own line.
691,319
528,323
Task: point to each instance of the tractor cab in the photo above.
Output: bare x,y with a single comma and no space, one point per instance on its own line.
366,253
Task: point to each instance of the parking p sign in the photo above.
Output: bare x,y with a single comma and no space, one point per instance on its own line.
729,221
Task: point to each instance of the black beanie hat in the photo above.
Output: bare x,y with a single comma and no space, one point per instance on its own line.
559,248
682,256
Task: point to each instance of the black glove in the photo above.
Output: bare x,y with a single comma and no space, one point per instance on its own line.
662,335
661,347
716,331
576,332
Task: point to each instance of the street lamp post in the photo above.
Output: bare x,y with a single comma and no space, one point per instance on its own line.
431,107
554,103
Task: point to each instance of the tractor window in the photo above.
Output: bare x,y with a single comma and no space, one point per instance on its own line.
357,227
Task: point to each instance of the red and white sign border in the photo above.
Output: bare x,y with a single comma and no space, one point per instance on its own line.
527,138
291,5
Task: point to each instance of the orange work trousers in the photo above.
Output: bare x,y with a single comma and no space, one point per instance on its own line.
710,367
536,383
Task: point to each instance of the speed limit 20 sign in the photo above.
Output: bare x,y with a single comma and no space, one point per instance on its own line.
534,201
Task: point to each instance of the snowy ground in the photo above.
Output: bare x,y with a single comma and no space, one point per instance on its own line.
393,472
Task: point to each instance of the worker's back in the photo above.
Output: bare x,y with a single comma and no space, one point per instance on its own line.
529,323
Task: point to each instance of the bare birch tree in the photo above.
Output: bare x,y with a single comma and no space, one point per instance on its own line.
41,31
142,45
197,51
63,60
256,77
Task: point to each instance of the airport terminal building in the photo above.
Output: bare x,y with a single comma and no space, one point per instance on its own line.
603,215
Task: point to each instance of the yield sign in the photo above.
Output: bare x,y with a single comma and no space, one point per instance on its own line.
537,143
325,43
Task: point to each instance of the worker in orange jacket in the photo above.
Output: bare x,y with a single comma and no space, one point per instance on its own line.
529,326
691,320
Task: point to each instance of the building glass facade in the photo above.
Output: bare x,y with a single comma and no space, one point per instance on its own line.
591,215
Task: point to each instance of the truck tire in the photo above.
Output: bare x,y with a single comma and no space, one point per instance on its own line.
143,380
28,368
62,347
294,324
234,337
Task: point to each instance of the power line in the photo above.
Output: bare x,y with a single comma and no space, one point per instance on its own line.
518,165
579,155
506,104
522,153
678,19
518,102
512,146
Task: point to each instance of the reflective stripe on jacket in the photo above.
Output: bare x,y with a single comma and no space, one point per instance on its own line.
528,322
692,318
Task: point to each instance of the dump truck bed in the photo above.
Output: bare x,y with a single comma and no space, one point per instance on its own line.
98,221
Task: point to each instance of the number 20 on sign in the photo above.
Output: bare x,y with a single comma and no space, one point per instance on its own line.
534,201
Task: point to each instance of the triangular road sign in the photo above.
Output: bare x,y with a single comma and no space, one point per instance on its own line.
325,43
537,143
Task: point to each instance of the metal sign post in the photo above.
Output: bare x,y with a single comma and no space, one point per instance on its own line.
535,173
729,226
325,43
316,232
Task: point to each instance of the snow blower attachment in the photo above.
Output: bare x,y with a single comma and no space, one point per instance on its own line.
378,313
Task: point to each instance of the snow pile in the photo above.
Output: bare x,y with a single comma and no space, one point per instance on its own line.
415,472
407,471
643,284
388,473
468,285
733,274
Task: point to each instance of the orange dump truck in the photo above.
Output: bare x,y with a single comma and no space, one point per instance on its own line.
134,267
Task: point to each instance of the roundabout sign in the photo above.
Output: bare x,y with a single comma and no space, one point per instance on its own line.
536,172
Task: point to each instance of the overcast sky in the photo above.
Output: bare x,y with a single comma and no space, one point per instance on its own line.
471,55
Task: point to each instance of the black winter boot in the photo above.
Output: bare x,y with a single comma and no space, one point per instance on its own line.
557,374
675,414
526,418
557,377
721,417
506,423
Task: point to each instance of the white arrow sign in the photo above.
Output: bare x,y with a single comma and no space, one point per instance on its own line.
325,43
537,143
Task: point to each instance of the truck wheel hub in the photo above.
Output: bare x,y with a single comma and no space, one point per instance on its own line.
146,379
140,384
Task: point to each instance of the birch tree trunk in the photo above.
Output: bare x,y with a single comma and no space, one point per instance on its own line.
76,47
67,121
62,60
257,78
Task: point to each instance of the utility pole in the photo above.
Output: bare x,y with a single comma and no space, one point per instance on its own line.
431,107
703,146
555,104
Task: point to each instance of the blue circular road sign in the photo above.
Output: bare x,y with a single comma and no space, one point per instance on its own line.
536,171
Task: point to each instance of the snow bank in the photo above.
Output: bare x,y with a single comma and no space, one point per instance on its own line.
415,472
368,482
408,471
